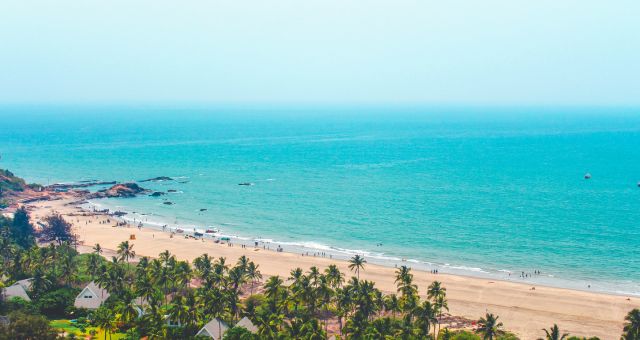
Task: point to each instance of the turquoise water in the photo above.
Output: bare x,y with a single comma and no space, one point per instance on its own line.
469,191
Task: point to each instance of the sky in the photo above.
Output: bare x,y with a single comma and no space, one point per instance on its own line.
400,52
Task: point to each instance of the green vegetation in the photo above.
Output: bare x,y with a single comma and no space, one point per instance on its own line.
9,182
166,298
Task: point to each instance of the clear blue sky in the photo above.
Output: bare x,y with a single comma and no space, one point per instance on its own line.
489,52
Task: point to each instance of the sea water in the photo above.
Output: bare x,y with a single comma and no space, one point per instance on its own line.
489,192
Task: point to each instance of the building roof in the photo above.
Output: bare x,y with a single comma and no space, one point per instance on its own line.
25,283
214,329
15,290
246,323
97,297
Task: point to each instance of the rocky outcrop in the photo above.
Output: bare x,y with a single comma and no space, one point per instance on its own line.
157,179
119,190
157,194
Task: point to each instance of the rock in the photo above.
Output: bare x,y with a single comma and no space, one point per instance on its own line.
158,179
203,209
157,194
172,190
119,190
167,203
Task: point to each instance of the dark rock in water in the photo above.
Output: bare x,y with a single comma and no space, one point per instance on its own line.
172,190
157,194
167,203
119,190
203,209
157,179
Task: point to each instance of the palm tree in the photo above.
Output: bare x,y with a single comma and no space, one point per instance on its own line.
553,333
272,289
391,304
41,282
334,276
356,263
425,315
127,310
438,294
242,263
489,327
632,325
97,249
103,318
253,274
435,289
93,264
125,250
203,265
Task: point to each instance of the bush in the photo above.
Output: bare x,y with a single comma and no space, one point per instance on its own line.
464,335
25,326
58,303
18,304
239,333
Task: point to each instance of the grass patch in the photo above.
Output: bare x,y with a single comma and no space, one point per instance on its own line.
69,327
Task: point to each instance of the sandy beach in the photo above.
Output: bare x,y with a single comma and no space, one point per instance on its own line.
522,309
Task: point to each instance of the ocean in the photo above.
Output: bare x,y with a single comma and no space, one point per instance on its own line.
470,191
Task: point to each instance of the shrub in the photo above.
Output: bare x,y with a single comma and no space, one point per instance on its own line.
58,303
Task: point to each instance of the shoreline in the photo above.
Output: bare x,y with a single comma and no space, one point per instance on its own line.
522,309
390,261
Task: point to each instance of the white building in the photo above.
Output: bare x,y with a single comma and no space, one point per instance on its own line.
91,297
214,329
18,289
248,325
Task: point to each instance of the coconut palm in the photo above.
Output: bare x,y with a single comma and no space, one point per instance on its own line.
273,289
97,249
103,318
356,264
127,310
392,304
334,276
632,325
243,263
489,327
425,316
125,251
553,333
253,275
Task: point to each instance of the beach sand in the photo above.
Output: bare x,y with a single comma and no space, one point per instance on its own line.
522,310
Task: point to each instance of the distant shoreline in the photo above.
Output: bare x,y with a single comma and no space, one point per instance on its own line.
521,308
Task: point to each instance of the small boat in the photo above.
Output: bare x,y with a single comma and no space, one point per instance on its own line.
587,176
638,184
179,231
245,183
